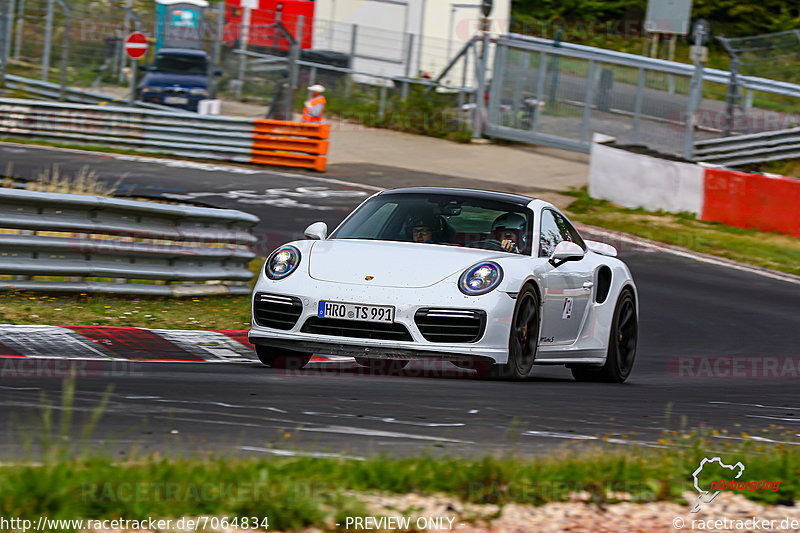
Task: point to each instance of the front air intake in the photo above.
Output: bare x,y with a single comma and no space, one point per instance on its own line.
451,325
276,311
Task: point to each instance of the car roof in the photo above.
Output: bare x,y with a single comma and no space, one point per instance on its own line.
518,199
182,51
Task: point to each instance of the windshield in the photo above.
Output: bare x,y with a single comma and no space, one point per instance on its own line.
179,64
449,220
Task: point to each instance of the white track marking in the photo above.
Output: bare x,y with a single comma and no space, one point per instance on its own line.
387,420
350,430
297,453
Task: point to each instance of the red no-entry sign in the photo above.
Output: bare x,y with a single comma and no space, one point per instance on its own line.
136,45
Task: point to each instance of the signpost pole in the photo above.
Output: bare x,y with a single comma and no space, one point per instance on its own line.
134,72
700,33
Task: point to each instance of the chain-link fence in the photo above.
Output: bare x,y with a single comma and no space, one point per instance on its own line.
559,94
775,56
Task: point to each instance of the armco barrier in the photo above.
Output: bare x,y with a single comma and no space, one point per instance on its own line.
129,247
266,142
767,203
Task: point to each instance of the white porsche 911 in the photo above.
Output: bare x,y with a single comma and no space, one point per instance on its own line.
486,280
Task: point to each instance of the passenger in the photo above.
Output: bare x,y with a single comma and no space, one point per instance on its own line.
509,229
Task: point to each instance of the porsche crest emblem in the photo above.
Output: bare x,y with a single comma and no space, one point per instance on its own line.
369,278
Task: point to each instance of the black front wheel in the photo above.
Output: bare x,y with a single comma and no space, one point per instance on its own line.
281,358
523,340
621,345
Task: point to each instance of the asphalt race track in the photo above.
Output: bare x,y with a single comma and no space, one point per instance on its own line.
718,348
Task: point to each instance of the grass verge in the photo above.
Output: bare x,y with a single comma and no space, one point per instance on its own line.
299,492
768,250
203,312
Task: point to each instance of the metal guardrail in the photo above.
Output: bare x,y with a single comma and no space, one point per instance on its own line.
670,67
140,247
752,148
52,91
192,136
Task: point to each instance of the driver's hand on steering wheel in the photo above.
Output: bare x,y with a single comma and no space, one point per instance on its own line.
509,246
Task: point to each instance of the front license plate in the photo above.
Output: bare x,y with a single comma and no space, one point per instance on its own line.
367,313
176,100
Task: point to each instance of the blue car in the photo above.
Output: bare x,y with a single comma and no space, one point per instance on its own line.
176,77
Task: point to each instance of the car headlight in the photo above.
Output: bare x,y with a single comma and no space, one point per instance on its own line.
198,92
480,278
152,89
282,262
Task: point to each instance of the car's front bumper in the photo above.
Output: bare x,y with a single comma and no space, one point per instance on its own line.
492,345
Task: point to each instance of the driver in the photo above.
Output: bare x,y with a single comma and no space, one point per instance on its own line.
509,229
425,229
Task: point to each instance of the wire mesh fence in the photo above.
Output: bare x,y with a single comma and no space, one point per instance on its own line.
561,97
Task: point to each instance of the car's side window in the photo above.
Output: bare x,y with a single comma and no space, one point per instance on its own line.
568,231
549,233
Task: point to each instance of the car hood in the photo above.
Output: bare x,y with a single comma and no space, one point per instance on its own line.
166,79
390,264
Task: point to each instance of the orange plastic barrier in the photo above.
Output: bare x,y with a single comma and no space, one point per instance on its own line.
291,144
768,203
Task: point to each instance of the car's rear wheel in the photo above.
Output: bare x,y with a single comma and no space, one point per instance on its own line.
523,340
282,358
382,366
621,345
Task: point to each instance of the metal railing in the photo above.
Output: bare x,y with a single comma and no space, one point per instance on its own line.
192,136
753,148
86,244
558,94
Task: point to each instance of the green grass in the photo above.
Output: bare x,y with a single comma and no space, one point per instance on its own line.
204,312
769,250
199,312
77,146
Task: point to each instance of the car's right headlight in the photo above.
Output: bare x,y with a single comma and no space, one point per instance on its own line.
480,279
282,262
152,89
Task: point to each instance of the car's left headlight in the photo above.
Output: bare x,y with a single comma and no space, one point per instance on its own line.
282,262
198,92
480,279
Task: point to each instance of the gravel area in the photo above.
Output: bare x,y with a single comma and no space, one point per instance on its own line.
727,512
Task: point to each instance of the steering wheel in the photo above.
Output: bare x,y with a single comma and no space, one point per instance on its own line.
488,244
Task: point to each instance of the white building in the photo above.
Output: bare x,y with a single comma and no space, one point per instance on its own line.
399,37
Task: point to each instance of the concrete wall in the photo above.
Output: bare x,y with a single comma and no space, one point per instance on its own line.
764,202
635,180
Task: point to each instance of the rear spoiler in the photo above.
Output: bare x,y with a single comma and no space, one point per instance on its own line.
601,248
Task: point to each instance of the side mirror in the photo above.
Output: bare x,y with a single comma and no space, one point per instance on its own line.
317,231
566,251
217,72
